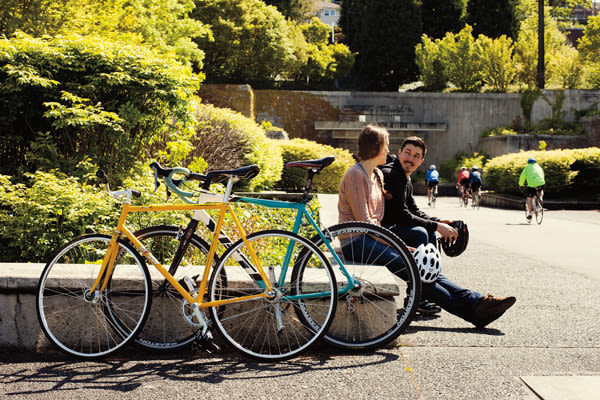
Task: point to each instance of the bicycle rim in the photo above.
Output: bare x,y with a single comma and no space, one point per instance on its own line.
92,328
170,324
384,303
271,329
539,213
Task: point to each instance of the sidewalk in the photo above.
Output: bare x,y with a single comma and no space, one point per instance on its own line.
546,387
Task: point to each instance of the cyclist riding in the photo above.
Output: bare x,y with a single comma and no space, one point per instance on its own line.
432,179
533,174
463,181
476,182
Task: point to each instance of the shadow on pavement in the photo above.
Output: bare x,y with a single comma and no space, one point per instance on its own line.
56,373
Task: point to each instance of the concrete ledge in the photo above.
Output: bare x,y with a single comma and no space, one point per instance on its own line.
20,329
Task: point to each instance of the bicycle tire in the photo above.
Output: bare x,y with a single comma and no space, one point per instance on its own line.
86,328
539,211
268,330
382,307
433,199
163,332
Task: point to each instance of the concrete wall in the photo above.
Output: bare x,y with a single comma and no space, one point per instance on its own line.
463,115
499,145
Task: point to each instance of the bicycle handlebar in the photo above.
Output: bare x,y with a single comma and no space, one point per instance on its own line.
216,176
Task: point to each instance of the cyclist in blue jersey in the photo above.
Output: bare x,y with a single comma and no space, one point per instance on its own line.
476,182
432,178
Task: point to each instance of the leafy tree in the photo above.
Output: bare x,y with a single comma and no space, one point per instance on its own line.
441,16
296,10
162,24
384,34
526,47
66,99
566,69
493,19
495,56
589,44
253,43
428,59
459,56
326,62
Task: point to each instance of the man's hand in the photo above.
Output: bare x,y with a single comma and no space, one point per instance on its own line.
446,230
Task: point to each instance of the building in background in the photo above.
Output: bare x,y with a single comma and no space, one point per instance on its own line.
329,13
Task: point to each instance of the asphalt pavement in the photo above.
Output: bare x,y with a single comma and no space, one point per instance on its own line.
546,346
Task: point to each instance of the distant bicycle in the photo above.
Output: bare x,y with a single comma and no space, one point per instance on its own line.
434,195
538,208
476,200
463,196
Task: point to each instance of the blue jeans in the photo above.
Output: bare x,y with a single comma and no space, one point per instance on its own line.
414,236
445,293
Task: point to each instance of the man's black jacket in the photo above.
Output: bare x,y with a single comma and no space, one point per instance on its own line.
401,209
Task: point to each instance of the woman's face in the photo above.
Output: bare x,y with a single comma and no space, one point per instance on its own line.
383,152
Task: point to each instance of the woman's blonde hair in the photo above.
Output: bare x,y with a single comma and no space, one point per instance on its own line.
370,141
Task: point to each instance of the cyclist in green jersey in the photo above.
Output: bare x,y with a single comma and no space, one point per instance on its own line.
533,174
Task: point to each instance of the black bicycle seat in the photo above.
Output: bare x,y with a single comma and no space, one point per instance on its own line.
314,164
247,172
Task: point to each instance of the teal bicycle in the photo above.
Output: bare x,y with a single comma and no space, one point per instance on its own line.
377,277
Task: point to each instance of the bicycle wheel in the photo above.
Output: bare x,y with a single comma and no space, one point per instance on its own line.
87,327
170,325
539,211
475,201
269,328
385,300
433,199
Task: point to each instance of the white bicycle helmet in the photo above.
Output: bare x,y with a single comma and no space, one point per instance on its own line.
429,260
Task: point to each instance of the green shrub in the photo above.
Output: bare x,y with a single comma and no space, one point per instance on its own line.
564,170
327,181
68,99
499,131
226,139
38,217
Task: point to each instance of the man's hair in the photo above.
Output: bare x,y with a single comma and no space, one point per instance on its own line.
370,141
415,141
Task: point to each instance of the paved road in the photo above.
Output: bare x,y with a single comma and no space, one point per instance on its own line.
549,339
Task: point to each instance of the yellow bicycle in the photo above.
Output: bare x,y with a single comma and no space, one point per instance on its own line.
95,294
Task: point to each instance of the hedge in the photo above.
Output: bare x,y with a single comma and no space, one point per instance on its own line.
327,181
68,99
570,171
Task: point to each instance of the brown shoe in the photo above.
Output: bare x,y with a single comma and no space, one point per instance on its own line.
490,308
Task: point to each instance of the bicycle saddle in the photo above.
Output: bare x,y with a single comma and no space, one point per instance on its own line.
315,164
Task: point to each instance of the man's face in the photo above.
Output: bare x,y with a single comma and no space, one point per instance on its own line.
411,157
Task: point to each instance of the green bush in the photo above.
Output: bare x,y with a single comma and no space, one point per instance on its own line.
566,171
66,99
50,209
499,131
327,181
226,139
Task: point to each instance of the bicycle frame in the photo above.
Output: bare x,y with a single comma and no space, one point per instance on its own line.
111,255
302,212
